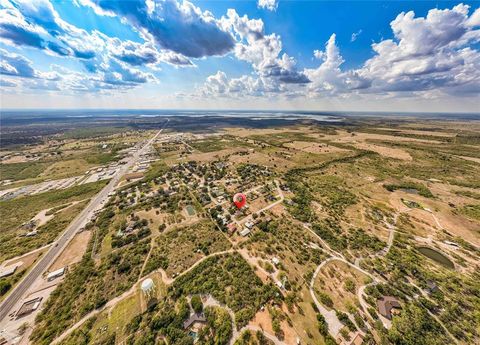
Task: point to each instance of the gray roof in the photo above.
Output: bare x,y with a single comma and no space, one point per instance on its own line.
194,318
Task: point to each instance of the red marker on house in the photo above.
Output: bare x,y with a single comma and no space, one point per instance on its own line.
239,200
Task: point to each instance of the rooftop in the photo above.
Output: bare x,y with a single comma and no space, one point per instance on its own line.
387,304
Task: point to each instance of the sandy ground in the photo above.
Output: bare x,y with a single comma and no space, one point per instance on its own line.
310,147
25,261
246,132
425,221
74,251
278,210
41,218
420,132
331,280
263,320
15,159
385,151
472,159
345,137
211,156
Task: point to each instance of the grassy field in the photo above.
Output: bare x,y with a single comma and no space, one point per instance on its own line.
217,144
340,283
17,211
22,171
12,245
179,248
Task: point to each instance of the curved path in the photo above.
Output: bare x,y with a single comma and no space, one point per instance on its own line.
110,304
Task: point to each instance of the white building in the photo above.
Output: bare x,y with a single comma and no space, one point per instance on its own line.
55,274
245,232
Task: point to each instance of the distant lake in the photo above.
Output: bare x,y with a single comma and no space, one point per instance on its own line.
436,256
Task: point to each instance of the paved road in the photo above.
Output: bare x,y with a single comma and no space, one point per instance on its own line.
95,204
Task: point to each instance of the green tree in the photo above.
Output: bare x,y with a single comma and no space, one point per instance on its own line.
197,304
414,326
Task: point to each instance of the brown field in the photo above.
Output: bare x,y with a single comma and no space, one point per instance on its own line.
263,320
420,132
74,251
385,151
425,223
262,159
472,159
331,280
246,132
209,156
310,147
305,321
346,137
26,260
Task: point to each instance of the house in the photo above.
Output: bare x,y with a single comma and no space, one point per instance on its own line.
231,228
245,232
388,306
194,318
249,224
275,261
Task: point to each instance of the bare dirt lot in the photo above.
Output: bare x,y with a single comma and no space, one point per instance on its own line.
26,260
385,151
346,137
310,147
420,132
263,320
246,132
74,251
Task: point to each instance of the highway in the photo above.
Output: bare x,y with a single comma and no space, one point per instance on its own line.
57,248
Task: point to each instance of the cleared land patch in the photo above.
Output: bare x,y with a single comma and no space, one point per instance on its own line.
179,248
337,284
312,147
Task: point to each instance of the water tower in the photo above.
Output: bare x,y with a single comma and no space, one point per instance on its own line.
148,288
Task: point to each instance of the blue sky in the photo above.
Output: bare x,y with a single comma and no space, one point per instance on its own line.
265,54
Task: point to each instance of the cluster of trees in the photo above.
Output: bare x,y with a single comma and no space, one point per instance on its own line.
358,239
120,241
420,188
156,260
252,172
414,326
89,286
163,319
323,329
301,206
6,283
231,280
179,248
218,329
332,194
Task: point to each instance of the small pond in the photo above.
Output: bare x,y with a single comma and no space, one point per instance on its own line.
436,256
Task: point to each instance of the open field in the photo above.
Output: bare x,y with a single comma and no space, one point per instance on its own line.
179,248
337,285
74,251
356,201
14,244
